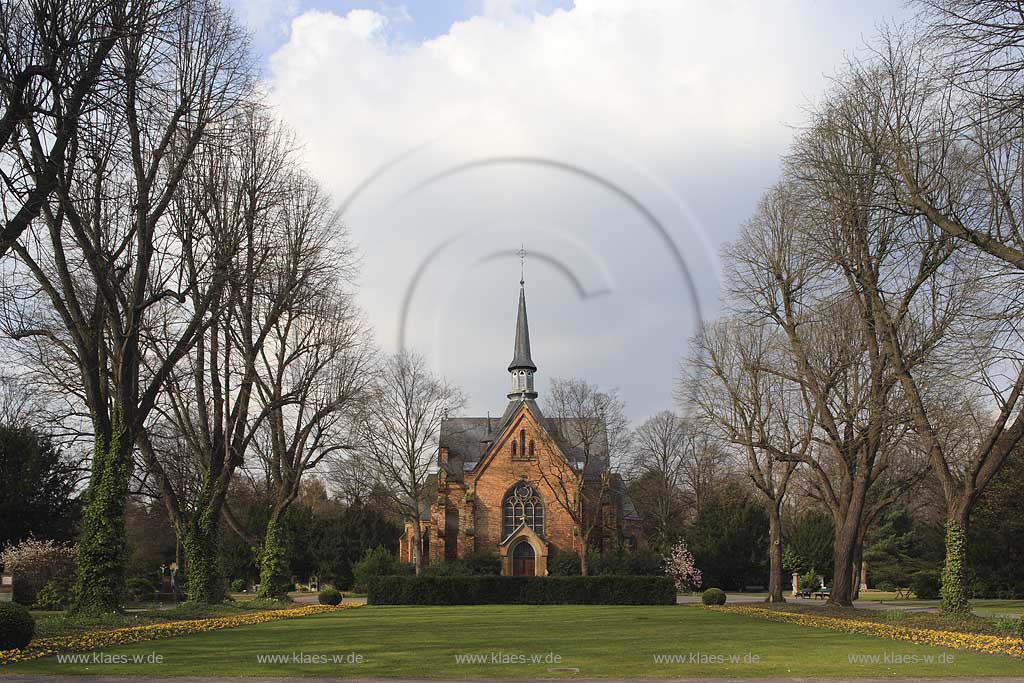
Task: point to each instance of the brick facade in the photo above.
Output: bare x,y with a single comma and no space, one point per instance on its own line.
481,462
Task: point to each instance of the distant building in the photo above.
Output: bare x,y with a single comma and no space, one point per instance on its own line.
497,480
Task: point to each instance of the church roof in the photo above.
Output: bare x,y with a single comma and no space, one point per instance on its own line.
468,439
521,356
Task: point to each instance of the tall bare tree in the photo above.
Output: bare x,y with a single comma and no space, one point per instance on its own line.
312,371
251,188
942,308
590,427
659,451
115,259
398,428
738,384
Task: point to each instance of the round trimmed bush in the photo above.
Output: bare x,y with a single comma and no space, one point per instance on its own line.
238,586
16,626
329,596
713,596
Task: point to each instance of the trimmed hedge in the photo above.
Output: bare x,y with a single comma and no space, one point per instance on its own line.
524,590
330,596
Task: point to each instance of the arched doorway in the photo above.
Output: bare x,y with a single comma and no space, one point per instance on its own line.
523,560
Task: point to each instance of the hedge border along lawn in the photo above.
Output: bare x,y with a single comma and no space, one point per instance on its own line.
96,640
522,590
978,642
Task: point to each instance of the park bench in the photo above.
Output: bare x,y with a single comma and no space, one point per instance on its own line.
823,594
802,593
902,593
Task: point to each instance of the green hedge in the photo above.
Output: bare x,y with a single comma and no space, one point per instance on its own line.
526,590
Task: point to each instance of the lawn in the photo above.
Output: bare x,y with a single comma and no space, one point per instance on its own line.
502,641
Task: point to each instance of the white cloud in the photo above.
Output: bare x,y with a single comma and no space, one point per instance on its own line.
678,108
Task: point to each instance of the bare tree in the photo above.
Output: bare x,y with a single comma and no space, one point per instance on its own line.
738,384
660,447
781,278
398,427
941,309
209,410
114,260
589,426
313,369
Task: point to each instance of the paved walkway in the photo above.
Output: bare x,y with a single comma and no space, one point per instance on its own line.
750,598
26,678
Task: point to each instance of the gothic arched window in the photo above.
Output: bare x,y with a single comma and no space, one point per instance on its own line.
514,449
532,445
522,505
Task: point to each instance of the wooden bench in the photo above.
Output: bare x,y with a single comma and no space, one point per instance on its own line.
822,594
802,594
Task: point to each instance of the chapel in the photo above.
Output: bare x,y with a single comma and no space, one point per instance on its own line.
512,484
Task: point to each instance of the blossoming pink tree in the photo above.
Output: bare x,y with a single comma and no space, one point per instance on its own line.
680,566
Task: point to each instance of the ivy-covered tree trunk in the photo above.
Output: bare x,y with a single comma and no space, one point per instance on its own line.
204,572
954,592
100,581
275,574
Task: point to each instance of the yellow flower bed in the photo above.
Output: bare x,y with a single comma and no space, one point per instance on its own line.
978,642
134,634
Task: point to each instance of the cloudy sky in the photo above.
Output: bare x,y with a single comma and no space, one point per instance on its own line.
621,142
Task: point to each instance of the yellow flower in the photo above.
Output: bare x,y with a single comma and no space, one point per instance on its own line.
136,634
978,642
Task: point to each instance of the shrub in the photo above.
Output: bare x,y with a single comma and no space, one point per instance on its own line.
483,563
713,596
680,566
16,626
330,596
528,590
33,563
238,586
139,589
55,595
926,585
564,563
376,562
886,586
810,581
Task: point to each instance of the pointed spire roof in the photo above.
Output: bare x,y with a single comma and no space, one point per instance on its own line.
521,358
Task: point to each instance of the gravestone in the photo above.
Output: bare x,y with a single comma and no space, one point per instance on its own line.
6,588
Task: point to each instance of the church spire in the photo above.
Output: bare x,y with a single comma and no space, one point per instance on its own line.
522,367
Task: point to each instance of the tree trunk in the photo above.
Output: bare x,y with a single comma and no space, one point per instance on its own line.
858,560
99,585
584,544
275,574
845,542
775,587
204,576
954,593
417,546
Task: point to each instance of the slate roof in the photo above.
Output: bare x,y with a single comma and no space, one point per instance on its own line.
521,356
469,438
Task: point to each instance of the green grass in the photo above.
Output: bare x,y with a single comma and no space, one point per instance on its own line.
598,640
